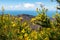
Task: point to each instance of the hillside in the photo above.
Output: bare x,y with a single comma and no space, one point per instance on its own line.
28,18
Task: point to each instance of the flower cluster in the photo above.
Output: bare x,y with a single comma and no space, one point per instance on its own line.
11,28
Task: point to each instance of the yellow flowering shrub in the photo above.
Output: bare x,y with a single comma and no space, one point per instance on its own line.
42,19
12,27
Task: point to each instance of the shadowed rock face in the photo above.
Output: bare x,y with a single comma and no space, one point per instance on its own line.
28,18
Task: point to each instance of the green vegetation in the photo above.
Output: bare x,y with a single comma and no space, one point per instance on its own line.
42,19
13,29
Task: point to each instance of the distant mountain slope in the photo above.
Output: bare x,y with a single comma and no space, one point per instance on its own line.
27,18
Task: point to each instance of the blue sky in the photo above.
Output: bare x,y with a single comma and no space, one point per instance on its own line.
26,4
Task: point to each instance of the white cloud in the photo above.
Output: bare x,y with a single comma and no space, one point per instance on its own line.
28,5
23,6
17,6
12,7
51,7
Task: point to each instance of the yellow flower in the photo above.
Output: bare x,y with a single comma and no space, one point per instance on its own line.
12,22
34,34
27,38
25,23
21,18
20,37
23,31
16,18
33,23
25,35
33,19
14,25
29,28
42,32
48,29
38,18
